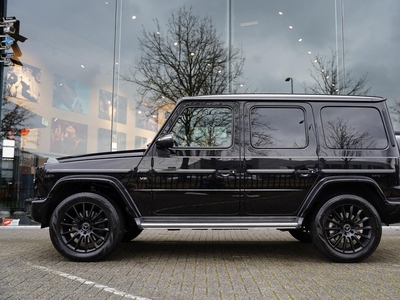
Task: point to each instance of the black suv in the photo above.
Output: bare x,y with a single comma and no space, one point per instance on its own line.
324,168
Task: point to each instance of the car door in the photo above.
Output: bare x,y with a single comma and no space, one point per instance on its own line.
198,175
281,163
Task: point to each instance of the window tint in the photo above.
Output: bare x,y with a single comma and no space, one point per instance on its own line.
204,127
353,128
273,127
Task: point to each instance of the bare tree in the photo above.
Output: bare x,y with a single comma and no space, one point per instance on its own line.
204,127
262,130
14,117
395,111
189,58
341,135
327,81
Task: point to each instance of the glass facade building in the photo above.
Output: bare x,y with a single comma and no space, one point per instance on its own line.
75,93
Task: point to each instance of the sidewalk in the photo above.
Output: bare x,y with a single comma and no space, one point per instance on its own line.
212,264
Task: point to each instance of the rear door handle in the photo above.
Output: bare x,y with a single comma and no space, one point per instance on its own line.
226,173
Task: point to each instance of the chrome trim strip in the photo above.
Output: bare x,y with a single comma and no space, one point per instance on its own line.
185,171
197,190
247,190
151,225
272,171
90,171
221,190
359,171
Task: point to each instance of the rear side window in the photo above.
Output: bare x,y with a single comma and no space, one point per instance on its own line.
353,128
278,127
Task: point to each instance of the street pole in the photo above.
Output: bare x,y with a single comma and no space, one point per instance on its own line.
291,82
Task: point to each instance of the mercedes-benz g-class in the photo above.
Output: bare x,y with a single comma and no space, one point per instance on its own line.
324,168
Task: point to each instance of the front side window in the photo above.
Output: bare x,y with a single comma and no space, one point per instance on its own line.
204,127
275,127
353,128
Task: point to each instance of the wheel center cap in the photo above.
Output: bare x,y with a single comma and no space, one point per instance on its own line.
347,228
85,226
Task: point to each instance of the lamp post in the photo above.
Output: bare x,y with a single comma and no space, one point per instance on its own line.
291,82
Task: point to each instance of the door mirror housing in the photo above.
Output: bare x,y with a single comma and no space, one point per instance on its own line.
165,141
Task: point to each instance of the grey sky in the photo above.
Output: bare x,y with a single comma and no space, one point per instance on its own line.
65,32
273,51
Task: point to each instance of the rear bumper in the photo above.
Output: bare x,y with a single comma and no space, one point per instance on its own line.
35,209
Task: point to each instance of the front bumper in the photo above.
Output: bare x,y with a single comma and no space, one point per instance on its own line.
35,209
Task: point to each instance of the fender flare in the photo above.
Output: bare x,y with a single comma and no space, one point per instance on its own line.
325,182
103,179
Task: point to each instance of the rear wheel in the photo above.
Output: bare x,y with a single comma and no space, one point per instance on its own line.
86,227
347,228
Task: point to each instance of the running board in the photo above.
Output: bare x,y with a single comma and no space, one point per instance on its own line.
216,223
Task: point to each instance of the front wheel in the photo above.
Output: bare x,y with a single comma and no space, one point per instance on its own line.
86,227
346,228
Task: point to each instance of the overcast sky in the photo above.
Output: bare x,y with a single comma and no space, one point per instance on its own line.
93,41
84,30
273,51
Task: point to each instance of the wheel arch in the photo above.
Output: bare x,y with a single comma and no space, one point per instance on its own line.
107,186
329,187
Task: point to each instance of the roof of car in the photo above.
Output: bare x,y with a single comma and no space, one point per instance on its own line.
287,97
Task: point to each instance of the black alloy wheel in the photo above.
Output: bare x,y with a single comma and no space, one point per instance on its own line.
86,227
347,228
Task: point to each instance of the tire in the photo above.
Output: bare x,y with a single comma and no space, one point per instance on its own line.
346,229
301,235
86,227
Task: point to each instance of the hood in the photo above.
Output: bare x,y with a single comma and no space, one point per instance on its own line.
106,162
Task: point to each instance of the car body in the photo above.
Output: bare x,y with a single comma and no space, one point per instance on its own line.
325,168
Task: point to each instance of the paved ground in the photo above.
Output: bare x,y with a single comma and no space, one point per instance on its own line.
221,264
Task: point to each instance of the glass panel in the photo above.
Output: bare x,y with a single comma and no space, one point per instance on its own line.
67,63
52,104
280,40
168,50
353,128
204,127
277,128
74,94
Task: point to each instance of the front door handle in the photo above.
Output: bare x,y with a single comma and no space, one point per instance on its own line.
305,172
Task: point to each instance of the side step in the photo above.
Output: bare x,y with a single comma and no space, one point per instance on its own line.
217,222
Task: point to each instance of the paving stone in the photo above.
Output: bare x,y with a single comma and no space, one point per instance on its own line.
213,264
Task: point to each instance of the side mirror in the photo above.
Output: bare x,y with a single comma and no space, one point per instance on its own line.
165,141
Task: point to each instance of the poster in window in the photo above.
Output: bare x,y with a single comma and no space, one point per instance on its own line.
23,83
141,142
112,108
110,142
71,95
68,137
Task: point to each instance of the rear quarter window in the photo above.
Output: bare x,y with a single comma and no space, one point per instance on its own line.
353,128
